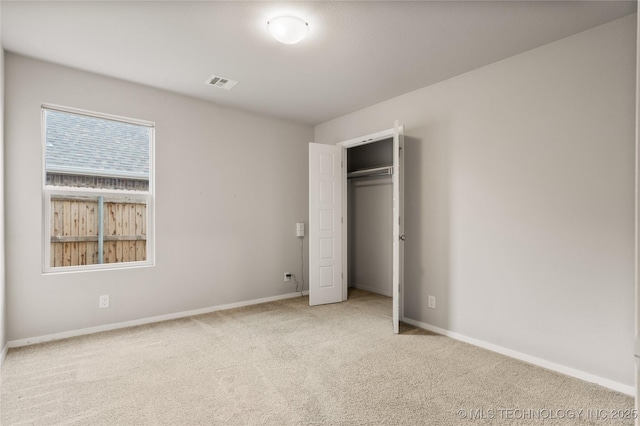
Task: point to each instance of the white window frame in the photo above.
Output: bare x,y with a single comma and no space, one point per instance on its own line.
50,190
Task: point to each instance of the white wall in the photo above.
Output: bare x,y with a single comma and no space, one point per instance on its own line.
229,190
520,200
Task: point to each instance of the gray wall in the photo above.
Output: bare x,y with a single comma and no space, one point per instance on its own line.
370,243
637,223
370,240
3,322
229,190
520,200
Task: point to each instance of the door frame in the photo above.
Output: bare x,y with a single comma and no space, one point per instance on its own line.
352,143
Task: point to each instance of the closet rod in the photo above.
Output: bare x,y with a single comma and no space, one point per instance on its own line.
376,171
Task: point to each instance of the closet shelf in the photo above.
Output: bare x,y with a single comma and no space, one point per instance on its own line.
376,171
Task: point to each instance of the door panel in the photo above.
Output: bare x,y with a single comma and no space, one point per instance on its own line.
325,224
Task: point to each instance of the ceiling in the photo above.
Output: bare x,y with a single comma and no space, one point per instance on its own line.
356,54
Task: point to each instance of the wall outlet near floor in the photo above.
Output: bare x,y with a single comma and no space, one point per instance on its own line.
104,301
287,277
432,302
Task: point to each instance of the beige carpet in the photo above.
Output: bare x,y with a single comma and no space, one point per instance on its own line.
284,363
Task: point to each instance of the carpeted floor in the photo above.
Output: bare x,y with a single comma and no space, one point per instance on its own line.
285,363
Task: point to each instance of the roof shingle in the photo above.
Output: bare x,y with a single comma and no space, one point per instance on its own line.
83,144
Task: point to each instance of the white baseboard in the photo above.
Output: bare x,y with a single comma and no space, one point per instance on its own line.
3,354
142,321
588,377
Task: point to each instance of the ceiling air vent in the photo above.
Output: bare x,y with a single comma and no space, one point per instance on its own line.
221,82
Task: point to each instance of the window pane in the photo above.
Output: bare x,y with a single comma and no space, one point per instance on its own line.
79,237
92,152
97,183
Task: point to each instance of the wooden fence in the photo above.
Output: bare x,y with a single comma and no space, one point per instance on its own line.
75,228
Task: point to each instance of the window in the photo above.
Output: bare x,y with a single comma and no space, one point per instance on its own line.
97,190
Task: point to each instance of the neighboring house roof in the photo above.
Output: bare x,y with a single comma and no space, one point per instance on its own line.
80,144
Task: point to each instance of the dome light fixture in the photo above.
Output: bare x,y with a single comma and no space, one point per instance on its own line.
288,29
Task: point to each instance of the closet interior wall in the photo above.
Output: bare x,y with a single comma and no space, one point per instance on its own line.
369,219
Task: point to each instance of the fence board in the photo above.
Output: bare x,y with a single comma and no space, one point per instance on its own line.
66,231
140,216
94,238
110,229
119,213
74,232
82,230
57,249
92,230
126,230
132,231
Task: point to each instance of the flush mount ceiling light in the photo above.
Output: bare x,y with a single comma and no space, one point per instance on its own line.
288,29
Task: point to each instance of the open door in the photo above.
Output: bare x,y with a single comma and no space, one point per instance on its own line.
398,224
325,224
327,232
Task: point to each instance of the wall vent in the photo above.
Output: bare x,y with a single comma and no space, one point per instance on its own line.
221,82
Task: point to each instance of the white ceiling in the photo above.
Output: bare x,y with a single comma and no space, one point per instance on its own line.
356,54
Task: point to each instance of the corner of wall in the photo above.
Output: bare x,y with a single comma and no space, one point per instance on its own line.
3,316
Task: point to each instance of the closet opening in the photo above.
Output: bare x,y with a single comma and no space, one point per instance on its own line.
356,222
370,217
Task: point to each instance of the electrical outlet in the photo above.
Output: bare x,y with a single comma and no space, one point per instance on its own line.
432,302
104,301
287,277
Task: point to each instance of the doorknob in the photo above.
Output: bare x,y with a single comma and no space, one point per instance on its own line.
402,237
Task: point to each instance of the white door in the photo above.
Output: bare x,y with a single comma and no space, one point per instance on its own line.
325,224
398,224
